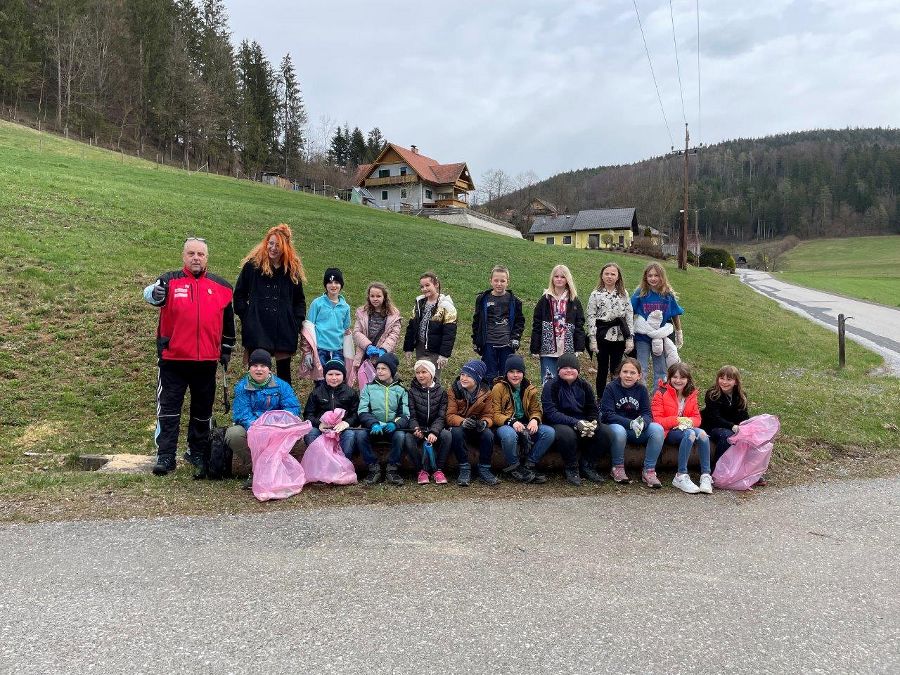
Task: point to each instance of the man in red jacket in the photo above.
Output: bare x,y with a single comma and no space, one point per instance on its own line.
196,330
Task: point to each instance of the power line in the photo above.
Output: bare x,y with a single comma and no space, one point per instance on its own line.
677,65
653,74
699,109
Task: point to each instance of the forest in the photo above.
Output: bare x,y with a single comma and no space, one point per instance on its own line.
162,79
822,183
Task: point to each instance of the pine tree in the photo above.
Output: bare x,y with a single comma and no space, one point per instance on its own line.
374,144
293,117
339,150
358,152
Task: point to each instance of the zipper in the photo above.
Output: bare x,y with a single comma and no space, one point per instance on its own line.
196,301
386,391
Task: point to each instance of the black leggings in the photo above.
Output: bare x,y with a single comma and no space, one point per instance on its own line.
609,356
283,369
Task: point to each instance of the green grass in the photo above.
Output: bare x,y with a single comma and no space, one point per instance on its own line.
82,231
861,267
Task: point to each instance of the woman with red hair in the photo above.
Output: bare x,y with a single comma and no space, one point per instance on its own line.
268,298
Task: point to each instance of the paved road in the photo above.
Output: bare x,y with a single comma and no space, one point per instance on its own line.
792,580
876,327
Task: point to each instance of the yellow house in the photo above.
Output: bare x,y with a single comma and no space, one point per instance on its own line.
593,228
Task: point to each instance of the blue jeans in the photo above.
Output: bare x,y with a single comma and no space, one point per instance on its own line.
485,441
348,442
685,440
644,352
398,442
652,437
495,360
720,436
548,364
509,441
325,356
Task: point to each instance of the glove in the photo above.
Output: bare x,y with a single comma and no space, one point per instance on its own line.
592,345
441,362
469,423
408,356
341,426
308,361
389,428
381,352
637,425
685,423
629,345
582,427
679,339
159,292
371,351
482,425
514,344
225,359
376,429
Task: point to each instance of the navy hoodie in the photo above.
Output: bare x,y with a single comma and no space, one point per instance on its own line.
620,405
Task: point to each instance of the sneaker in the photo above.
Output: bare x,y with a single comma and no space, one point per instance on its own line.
539,478
684,483
465,475
573,477
591,473
248,483
423,477
485,475
706,483
439,477
519,473
391,476
374,476
163,466
619,476
649,477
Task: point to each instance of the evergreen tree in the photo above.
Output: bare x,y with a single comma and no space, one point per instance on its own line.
293,117
374,144
339,150
358,152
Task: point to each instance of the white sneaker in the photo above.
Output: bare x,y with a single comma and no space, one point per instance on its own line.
684,483
706,483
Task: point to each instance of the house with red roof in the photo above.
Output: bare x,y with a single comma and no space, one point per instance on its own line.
403,178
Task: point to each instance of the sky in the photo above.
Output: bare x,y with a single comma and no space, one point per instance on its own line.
555,85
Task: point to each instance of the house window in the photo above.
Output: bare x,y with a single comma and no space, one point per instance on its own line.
402,170
427,194
384,173
621,240
567,239
403,193
551,241
384,195
593,241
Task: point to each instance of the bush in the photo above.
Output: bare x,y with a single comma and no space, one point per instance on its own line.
644,246
717,258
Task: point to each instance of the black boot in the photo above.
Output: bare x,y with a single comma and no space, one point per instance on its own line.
465,475
572,476
164,464
589,472
248,483
486,476
374,476
392,476
201,467
539,478
519,473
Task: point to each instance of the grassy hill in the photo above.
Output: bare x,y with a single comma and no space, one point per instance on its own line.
83,230
862,267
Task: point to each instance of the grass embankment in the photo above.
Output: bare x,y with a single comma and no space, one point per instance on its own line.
860,267
83,230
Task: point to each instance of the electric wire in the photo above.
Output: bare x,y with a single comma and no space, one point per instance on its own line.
699,108
652,73
677,64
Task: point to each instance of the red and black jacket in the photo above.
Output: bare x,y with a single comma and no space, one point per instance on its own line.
196,322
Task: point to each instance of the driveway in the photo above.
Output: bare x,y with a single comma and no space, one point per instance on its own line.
875,327
787,580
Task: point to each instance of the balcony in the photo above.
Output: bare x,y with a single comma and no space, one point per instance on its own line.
391,180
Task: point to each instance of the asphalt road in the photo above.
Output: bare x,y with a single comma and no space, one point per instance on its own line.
876,327
791,580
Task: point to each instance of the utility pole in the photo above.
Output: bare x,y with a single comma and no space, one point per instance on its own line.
682,237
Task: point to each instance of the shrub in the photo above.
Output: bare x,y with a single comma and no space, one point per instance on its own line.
644,246
717,258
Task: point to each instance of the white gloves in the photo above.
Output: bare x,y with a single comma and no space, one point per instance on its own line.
629,345
637,426
441,362
679,339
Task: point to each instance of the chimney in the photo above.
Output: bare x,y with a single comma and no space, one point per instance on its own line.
414,149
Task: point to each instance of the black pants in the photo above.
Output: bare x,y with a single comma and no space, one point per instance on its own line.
175,378
609,356
283,369
570,445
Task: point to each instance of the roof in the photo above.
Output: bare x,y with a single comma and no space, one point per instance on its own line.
428,169
547,205
591,219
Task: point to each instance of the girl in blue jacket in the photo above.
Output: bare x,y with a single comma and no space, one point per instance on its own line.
330,314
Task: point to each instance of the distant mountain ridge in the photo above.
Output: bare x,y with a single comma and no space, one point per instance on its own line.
829,182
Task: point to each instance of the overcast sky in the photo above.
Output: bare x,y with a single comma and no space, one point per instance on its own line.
554,85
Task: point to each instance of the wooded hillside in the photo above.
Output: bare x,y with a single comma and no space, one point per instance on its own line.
809,184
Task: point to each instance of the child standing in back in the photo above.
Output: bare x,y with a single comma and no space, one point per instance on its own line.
725,408
610,323
625,407
558,324
330,314
497,324
675,409
655,293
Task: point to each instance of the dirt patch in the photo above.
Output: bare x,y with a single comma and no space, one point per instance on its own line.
39,433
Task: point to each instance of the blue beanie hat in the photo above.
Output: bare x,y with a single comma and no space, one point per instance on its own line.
514,362
390,361
475,369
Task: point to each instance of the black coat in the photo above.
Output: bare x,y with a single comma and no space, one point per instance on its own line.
323,399
271,309
479,320
722,414
427,408
441,332
542,327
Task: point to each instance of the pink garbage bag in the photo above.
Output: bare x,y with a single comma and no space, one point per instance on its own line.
747,459
324,461
276,475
